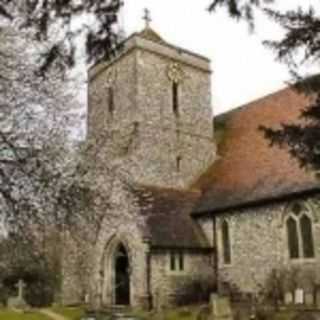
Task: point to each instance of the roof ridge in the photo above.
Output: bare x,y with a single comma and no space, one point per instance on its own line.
253,102
150,34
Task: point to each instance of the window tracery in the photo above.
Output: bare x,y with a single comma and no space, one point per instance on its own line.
299,233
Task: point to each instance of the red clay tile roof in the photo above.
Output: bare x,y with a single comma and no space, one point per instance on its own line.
249,169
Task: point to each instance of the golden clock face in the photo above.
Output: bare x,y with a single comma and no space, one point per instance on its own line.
175,72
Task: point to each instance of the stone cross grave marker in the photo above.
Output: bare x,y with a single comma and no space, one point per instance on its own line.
18,302
20,285
221,308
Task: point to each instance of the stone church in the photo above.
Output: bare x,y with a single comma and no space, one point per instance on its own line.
211,205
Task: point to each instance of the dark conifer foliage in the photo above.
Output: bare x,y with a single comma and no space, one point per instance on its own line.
300,45
240,10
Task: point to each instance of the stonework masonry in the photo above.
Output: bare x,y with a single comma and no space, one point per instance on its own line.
134,131
169,288
259,245
150,127
122,224
144,134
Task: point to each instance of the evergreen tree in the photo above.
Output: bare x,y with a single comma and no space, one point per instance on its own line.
300,45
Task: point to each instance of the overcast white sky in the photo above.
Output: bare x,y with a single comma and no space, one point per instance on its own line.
243,69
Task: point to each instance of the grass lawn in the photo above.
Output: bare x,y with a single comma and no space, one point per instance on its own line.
11,315
184,313
180,315
284,315
177,314
69,313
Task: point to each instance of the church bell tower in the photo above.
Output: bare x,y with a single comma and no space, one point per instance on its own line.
152,107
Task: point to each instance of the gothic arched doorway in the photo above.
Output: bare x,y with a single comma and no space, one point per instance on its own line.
122,276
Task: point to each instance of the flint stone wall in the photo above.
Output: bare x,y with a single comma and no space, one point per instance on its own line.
143,133
171,287
124,224
152,146
259,245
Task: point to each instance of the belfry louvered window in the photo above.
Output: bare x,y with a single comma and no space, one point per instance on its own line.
175,98
110,100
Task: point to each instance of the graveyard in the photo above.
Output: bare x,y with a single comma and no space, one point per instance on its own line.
294,307
183,313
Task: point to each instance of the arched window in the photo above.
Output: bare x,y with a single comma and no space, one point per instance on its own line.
179,159
293,238
299,233
226,243
307,237
175,98
176,261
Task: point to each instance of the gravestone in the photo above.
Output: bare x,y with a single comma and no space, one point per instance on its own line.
298,296
305,316
309,299
18,302
288,298
220,307
317,302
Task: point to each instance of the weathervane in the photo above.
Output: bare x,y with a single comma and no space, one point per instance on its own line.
147,17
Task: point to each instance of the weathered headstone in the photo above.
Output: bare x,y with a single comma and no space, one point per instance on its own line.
18,302
298,296
317,302
220,307
288,298
305,316
309,299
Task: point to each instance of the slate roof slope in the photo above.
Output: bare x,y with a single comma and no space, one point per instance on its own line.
249,170
168,217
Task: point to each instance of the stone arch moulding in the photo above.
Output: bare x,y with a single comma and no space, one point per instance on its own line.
314,207
107,268
307,206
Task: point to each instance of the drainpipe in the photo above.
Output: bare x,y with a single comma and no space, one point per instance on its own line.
215,251
147,241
